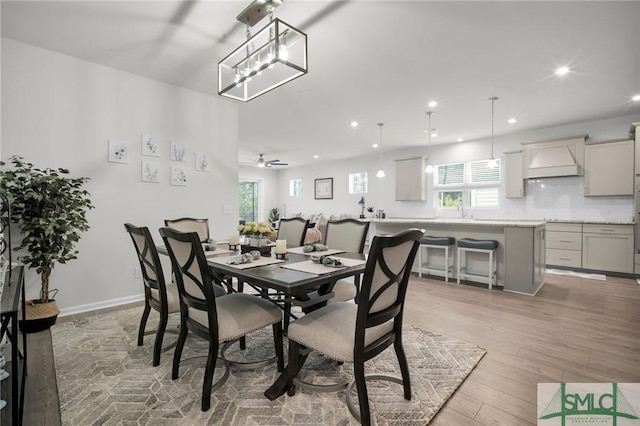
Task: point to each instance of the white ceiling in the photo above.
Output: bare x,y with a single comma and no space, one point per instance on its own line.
371,61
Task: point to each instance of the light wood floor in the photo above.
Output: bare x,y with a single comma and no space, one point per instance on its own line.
573,330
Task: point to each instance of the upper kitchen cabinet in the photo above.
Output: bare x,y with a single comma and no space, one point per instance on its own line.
634,133
609,168
558,157
411,180
513,174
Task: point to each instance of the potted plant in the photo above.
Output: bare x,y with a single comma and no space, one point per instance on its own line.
274,216
49,207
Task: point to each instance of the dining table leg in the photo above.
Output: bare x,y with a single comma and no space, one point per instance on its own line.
280,386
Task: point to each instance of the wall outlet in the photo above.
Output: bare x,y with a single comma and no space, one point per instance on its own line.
137,272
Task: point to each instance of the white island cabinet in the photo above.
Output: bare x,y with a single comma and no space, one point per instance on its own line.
521,246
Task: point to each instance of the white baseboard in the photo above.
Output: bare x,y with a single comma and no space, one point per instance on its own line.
100,305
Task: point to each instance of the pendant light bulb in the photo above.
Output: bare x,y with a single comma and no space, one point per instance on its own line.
284,50
380,173
493,163
429,168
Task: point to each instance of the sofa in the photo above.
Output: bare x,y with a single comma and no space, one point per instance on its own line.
318,224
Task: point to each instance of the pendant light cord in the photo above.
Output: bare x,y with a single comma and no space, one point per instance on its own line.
493,99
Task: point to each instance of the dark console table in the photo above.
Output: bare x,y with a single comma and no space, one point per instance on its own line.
12,388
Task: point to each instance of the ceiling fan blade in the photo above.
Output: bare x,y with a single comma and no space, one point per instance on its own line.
272,161
278,164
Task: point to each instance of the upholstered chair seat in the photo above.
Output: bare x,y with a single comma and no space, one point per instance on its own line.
335,323
239,314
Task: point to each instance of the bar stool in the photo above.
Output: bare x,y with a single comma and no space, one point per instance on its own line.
441,243
478,246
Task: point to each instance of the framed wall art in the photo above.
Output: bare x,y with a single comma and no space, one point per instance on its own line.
324,189
150,171
150,146
118,152
178,151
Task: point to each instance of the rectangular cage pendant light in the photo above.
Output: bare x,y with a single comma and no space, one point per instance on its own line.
272,57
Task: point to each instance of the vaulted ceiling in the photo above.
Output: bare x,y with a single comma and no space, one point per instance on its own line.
370,61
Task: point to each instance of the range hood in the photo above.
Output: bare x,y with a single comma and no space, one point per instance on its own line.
554,158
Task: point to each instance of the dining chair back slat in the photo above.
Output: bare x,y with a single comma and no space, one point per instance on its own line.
293,230
346,234
189,224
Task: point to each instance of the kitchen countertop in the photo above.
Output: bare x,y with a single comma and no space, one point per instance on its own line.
453,221
495,222
598,222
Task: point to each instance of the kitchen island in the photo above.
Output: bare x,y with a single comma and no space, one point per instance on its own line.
521,250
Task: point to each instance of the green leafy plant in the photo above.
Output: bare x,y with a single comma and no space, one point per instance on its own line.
50,209
274,215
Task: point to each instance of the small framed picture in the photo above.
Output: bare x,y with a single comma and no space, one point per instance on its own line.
118,152
203,164
178,151
324,189
150,171
178,176
150,146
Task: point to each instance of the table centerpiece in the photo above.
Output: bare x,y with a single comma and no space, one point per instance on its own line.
256,237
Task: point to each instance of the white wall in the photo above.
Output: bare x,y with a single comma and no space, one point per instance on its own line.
557,198
59,111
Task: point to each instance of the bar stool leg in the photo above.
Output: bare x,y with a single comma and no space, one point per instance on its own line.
458,265
420,261
490,269
446,264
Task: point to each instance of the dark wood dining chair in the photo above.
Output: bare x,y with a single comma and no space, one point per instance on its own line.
293,230
189,224
356,333
349,235
217,320
158,295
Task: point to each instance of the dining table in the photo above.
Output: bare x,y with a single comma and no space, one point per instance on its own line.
287,279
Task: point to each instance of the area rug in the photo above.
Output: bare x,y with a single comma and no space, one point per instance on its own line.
104,378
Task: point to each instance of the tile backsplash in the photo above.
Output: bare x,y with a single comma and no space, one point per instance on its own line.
562,198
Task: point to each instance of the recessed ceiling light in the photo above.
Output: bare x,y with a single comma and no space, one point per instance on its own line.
315,156
459,140
636,98
511,120
434,135
375,145
562,71
354,124
432,104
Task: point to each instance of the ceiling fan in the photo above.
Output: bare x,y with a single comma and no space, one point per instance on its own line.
261,162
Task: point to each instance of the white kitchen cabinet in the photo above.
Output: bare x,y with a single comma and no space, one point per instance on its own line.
608,247
411,179
513,175
609,168
564,244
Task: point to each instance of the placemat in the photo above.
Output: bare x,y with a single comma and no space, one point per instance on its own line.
263,261
319,269
329,252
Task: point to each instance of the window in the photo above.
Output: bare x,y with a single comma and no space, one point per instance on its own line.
295,188
449,198
248,201
358,183
475,184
